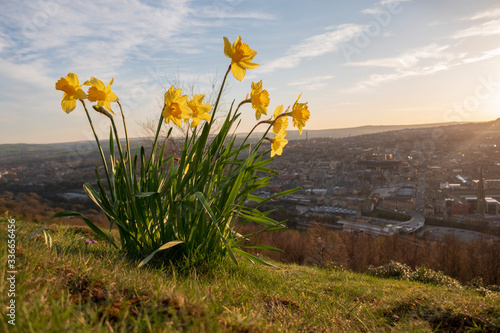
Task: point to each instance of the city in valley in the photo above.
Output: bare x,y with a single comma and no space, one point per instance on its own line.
427,181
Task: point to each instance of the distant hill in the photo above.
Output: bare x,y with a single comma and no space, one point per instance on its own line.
13,153
352,131
34,152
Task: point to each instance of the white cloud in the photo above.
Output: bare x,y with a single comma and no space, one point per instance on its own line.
407,59
391,2
232,13
314,46
376,80
485,29
486,55
311,80
371,11
488,14
426,60
378,7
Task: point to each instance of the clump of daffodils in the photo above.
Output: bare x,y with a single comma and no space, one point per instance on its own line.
191,207
179,108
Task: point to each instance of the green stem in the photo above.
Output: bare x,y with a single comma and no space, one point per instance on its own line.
220,94
100,150
126,138
160,122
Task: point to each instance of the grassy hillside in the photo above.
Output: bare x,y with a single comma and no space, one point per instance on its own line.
66,285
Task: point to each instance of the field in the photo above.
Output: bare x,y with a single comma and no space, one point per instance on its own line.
65,284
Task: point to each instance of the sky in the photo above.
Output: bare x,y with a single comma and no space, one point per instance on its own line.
356,63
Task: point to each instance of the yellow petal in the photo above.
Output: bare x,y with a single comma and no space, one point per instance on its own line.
198,98
80,94
95,83
186,111
111,96
169,96
228,49
73,79
195,122
256,88
238,71
278,111
176,121
68,105
248,64
261,109
204,108
237,41
205,116
107,105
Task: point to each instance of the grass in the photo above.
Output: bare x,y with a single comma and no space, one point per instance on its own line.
65,285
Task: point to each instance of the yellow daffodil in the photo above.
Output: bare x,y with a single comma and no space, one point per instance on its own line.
200,111
100,93
176,107
277,144
300,114
260,99
280,123
241,56
72,91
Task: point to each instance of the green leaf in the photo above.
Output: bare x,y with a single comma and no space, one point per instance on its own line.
145,194
252,258
255,198
91,225
161,248
209,211
265,221
261,247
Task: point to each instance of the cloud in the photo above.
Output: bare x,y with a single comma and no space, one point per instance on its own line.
407,59
229,12
376,80
485,29
314,46
488,14
427,60
371,11
391,2
310,80
378,7
41,41
486,55
313,83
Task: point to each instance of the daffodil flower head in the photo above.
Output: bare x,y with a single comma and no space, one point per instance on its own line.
300,114
72,89
280,122
176,107
199,110
241,56
277,144
260,99
100,93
